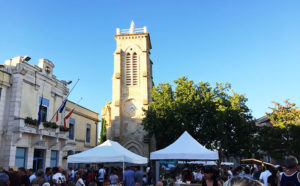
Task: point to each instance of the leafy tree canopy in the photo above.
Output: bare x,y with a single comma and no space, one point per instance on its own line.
284,116
216,116
283,138
103,131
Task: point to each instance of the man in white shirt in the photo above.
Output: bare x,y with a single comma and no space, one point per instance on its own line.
230,174
198,176
264,176
71,173
113,178
101,175
32,175
58,178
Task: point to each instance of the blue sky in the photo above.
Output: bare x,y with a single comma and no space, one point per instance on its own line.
252,44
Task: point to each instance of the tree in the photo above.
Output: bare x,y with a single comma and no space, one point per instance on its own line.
284,116
103,131
283,137
270,140
215,116
295,143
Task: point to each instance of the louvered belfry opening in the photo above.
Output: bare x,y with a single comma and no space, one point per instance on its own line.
132,69
128,69
135,72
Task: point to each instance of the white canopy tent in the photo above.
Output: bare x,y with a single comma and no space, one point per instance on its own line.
108,152
185,148
205,163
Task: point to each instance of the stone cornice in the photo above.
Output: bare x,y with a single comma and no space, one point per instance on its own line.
136,34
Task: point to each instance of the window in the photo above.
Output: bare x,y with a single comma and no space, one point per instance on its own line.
20,157
88,133
53,158
44,108
135,72
128,69
132,69
38,159
71,128
44,113
0,93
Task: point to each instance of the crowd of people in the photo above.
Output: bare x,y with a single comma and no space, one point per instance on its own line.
56,176
251,175
287,175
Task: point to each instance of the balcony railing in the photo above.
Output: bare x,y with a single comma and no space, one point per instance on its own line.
21,126
131,31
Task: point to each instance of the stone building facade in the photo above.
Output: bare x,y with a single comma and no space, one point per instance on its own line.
132,82
83,135
22,88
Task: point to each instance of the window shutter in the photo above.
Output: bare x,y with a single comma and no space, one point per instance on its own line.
128,69
135,74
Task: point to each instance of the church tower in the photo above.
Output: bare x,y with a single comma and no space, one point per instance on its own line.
131,90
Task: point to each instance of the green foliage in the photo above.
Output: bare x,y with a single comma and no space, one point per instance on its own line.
284,116
63,129
279,142
215,116
103,131
52,125
295,141
283,138
269,139
46,124
31,121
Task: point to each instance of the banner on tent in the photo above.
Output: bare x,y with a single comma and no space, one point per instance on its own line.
174,162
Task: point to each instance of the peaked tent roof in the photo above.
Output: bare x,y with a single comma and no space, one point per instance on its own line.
107,152
185,148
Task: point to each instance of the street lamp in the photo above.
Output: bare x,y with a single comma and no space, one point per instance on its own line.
26,58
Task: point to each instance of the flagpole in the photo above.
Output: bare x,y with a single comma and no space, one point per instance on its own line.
65,99
72,88
40,105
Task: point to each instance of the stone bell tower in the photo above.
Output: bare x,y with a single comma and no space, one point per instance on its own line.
132,83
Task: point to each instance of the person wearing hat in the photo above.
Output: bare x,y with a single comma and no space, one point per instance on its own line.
4,179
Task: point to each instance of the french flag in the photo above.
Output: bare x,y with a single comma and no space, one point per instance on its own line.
67,117
61,109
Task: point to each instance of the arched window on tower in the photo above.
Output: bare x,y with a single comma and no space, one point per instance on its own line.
135,69
128,69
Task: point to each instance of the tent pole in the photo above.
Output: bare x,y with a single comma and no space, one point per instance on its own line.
123,168
157,166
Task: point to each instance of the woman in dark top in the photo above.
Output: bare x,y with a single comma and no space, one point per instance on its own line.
210,178
24,178
273,180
